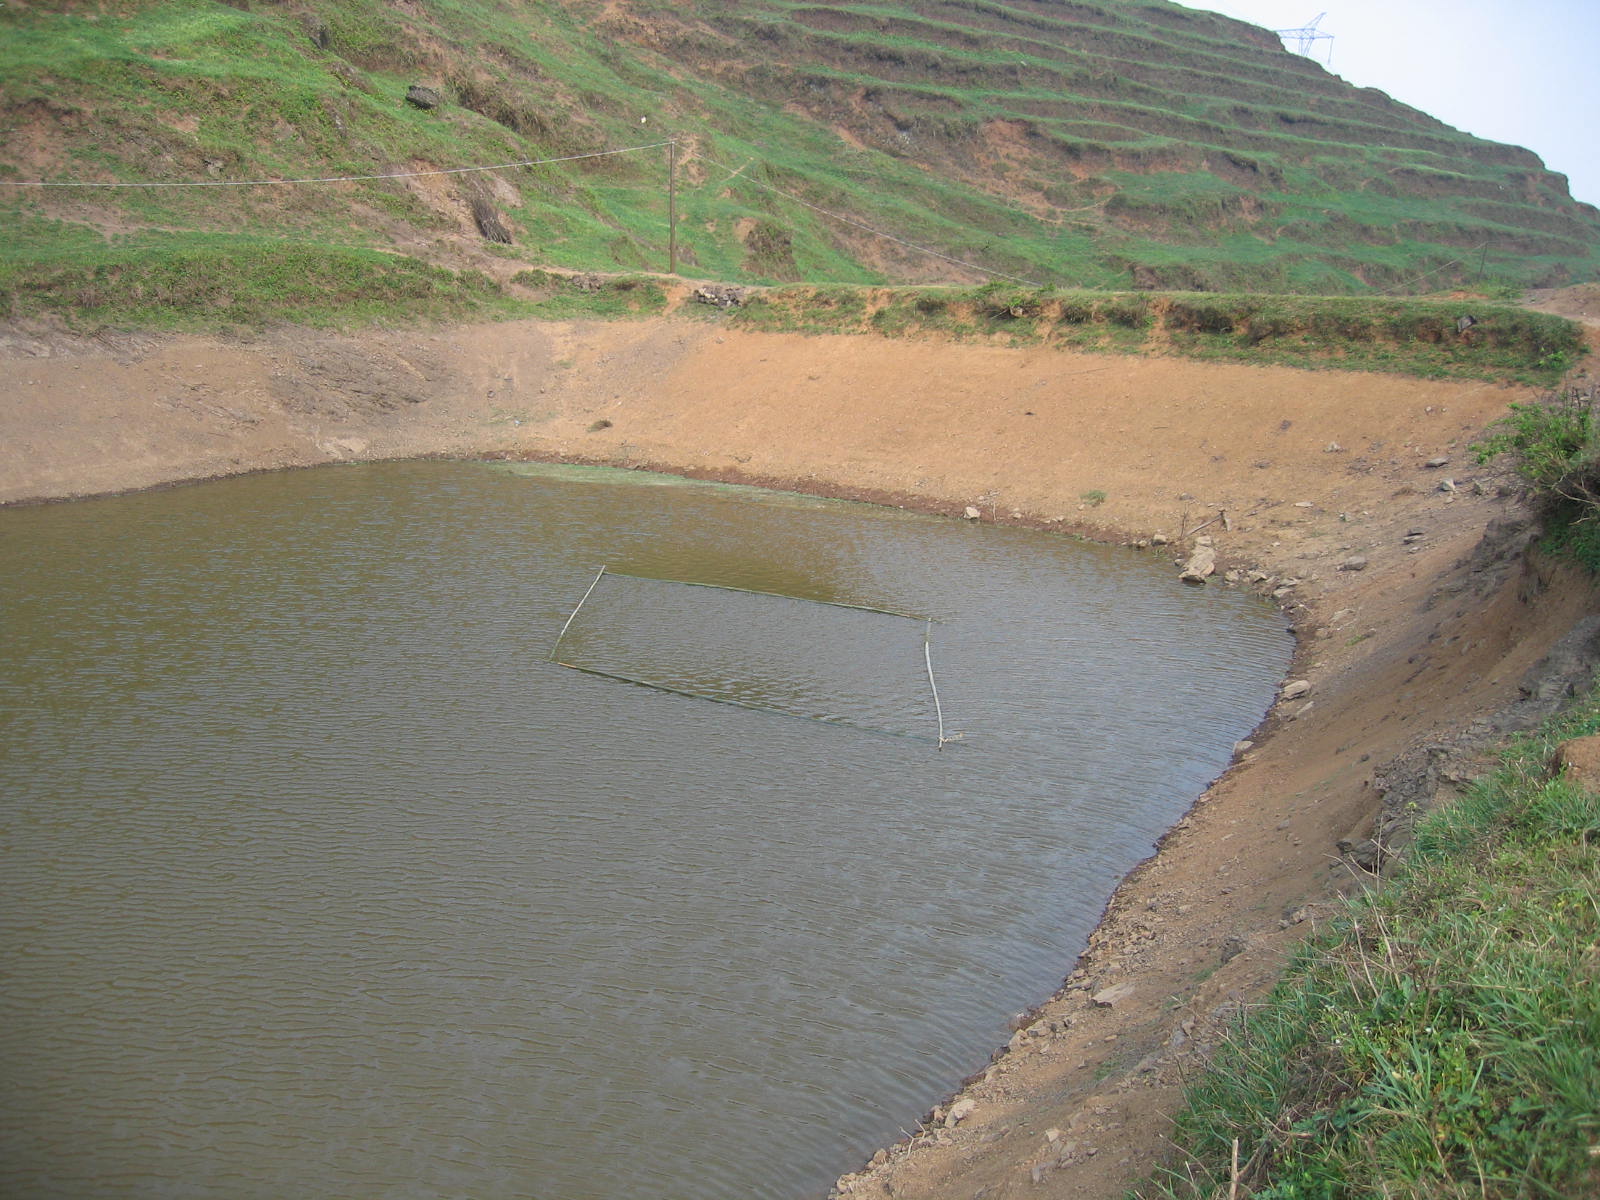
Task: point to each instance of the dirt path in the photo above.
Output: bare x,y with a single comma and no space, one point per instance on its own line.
1314,471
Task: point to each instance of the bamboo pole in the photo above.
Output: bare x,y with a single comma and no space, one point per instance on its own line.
927,657
573,614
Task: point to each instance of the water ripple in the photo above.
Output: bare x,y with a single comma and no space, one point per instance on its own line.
320,879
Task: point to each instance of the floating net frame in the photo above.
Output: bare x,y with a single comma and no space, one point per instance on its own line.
939,739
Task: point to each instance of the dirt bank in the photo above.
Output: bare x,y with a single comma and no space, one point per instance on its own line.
1333,492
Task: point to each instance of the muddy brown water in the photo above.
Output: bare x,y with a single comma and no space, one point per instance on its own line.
321,879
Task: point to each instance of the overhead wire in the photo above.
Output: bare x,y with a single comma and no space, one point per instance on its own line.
529,162
863,226
188,183
1405,283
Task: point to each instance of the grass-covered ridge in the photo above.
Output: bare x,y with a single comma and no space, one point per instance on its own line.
1100,144
220,282
1422,337
210,282
1444,1039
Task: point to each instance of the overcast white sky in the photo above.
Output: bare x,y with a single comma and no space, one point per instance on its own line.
1520,71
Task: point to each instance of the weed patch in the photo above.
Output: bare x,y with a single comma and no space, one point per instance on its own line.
1554,446
591,296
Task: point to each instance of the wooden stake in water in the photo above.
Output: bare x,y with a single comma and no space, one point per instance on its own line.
927,657
574,614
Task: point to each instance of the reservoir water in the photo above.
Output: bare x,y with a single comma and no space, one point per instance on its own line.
321,879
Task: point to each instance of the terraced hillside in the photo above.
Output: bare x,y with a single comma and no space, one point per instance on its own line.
1099,143
1185,148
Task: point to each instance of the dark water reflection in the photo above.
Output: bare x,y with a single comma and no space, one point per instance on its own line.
321,880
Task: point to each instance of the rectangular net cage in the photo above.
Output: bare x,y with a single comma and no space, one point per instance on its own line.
864,668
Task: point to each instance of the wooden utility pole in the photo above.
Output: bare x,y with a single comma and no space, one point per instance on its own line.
672,208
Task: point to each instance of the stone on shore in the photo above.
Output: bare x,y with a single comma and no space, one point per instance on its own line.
1201,565
1111,996
960,1111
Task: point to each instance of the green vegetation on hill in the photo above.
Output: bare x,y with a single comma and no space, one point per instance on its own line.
213,281
1444,1038
1094,144
1404,337
207,281
1554,445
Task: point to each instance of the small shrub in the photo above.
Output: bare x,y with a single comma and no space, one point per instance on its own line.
1555,447
1204,314
1005,301
1130,312
1077,310
1554,444
1339,323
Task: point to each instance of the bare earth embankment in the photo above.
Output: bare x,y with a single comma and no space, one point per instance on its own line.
1315,472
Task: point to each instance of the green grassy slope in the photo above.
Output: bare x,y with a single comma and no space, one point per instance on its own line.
1443,1039
1170,147
1088,144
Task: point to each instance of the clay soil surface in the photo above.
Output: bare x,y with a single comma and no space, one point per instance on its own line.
1315,473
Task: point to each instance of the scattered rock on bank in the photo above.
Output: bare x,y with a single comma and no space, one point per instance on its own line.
1202,563
423,97
721,295
1109,997
960,1111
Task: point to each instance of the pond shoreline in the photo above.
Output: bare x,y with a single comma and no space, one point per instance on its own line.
1303,476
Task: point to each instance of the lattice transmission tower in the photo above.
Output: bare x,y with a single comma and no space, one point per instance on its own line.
1307,36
